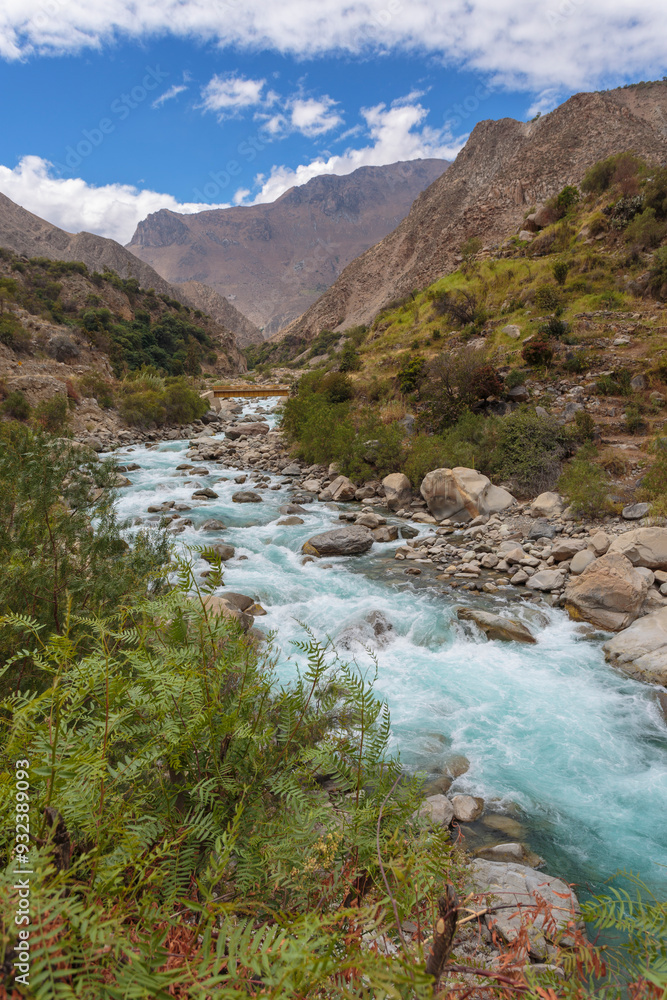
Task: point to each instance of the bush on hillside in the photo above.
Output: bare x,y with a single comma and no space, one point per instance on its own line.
620,169
469,442
455,382
616,384
529,451
655,192
560,270
586,486
658,274
537,353
411,373
646,230
17,406
13,334
463,307
52,415
554,327
150,402
548,298
350,360
93,384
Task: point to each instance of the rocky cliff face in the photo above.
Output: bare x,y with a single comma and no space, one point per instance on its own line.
28,235
505,168
274,260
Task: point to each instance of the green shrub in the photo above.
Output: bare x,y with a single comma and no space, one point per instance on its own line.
528,451
634,422
560,271
53,414
350,361
469,442
150,401
567,198
655,192
578,363
454,383
584,426
537,353
654,481
94,385
12,333
16,406
515,378
554,327
547,298
337,387
616,384
586,486
597,224
646,230
613,170
411,373
471,248
658,273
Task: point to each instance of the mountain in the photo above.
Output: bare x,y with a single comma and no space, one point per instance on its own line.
28,235
505,168
274,260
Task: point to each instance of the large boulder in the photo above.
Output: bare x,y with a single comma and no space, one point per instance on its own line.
546,579
521,894
495,626
641,649
236,431
565,548
609,593
547,505
246,496
350,541
643,547
397,490
218,606
342,489
462,494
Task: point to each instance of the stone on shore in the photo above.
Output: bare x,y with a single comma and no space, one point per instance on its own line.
643,547
635,511
220,607
519,890
495,626
546,579
581,560
223,552
462,494
641,649
467,808
350,541
437,810
566,548
386,533
342,489
397,490
609,593
547,505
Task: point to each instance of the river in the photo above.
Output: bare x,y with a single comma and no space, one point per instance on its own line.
558,741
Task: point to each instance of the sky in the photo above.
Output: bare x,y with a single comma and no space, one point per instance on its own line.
112,109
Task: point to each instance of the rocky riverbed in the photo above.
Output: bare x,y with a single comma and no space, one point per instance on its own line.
535,750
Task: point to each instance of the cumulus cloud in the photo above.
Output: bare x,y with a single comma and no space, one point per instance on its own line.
111,210
228,94
397,133
567,44
314,117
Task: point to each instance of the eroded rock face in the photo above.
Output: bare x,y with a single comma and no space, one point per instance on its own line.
462,494
495,626
609,593
643,547
397,490
641,649
519,888
350,541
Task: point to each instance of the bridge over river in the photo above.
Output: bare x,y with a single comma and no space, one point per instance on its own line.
248,391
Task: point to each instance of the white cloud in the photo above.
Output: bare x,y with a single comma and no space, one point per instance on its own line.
111,210
567,44
174,91
228,94
397,133
313,117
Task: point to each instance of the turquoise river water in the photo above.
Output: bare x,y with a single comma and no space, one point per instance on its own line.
555,737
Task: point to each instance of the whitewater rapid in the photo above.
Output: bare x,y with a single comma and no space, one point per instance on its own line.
555,737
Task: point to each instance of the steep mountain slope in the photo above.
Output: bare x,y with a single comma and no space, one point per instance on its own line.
274,260
505,168
27,234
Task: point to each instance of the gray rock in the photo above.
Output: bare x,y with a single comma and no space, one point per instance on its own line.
635,511
581,560
246,496
643,547
467,808
609,593
512,330
546,579
213,524
463,493
566,548
352,540
542,529
291,508
641,649
291,470
223,552
292,520
397,490
496,626
407,531
342,489
518,394
386,533
205,494
547,505
599,543
520,890
437,810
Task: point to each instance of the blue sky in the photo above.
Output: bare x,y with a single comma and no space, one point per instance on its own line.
114,109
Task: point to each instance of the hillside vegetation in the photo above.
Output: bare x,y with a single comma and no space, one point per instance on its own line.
567,314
